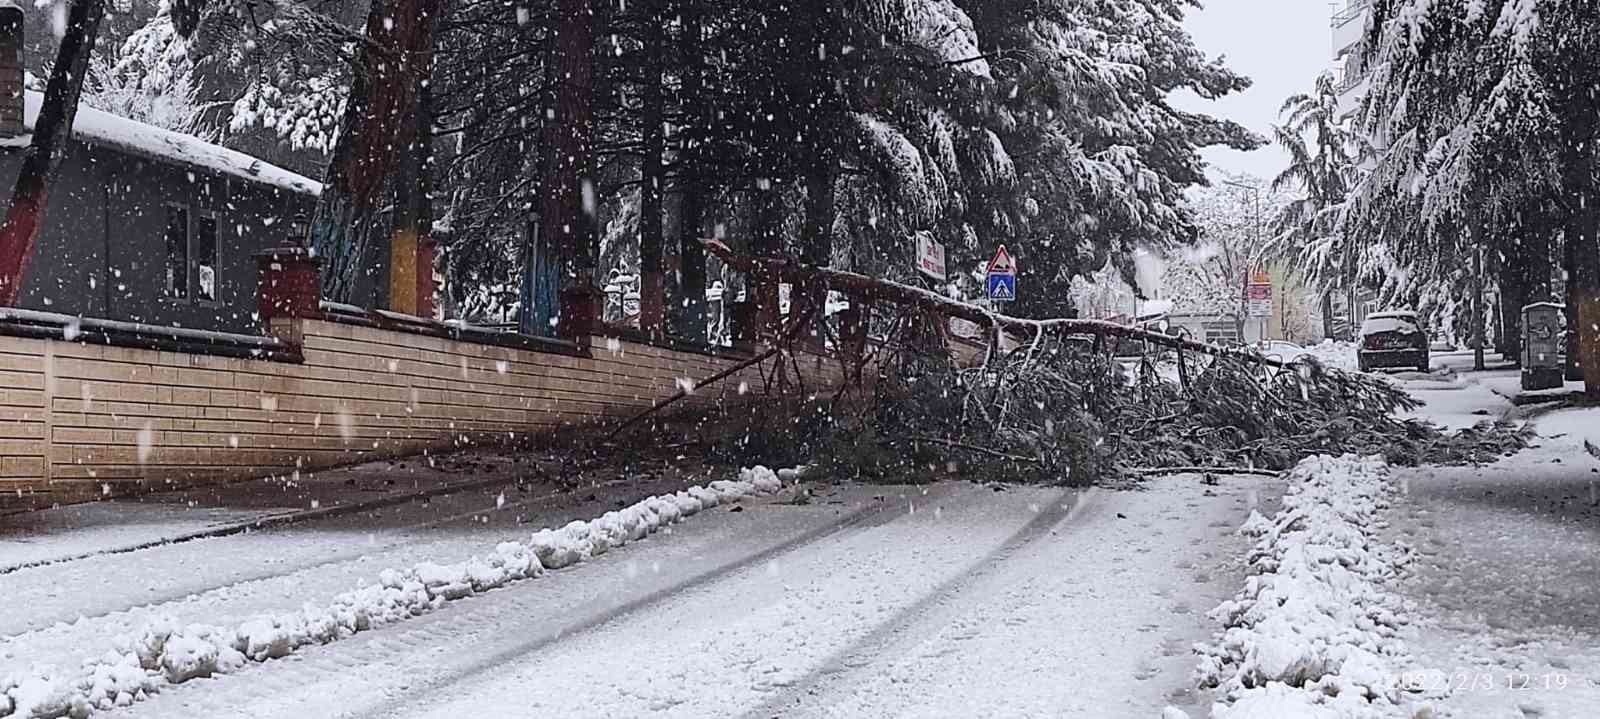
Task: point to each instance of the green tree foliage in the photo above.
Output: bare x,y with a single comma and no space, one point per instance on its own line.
835,130
1488,124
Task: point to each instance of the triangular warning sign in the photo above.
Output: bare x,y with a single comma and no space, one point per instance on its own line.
1002,263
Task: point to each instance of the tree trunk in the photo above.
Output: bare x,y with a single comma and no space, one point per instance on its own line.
423,200
568,215
412,196
1513,281
1569,265
1537,265
1477,297
868,289
1585,290
817,234
766,240
690,308
51,130
652,174
383,95
1327,315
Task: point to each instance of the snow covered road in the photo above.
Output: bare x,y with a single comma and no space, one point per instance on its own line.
948,600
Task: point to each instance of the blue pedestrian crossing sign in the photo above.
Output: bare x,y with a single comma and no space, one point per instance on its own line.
1002,277
1002,288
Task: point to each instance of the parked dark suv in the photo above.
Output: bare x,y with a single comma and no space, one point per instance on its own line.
1393,339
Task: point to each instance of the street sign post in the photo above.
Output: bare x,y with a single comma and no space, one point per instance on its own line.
1002,277
1258,299
1258,293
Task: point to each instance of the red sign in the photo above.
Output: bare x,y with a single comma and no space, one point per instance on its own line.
930,256
1258,300
1002,264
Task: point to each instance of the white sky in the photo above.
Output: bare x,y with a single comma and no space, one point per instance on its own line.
1280,44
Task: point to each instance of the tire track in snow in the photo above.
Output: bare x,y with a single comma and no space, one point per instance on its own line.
724,648
398,537
286,518
395,665
860,520
267,520
58,637
893,631
1095,618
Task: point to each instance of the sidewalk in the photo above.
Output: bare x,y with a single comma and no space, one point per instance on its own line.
1508,557
125,524
472,479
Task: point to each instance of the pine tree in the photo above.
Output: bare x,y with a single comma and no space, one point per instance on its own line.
1102,158
1485,110
1322,173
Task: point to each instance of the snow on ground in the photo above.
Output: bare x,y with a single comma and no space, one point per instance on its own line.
1455,401
135,665
1315,632
1508,558
1094,619
67,532
948,600
1339,355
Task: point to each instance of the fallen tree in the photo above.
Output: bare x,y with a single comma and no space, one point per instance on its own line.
871,290
1060,408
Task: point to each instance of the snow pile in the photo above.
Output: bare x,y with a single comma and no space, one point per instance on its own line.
1313,633
165,653
1338,355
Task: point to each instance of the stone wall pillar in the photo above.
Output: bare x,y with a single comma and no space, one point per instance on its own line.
288,283
580,316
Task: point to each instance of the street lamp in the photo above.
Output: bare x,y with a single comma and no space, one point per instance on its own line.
1255,236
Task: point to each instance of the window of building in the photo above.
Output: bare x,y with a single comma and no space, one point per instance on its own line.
177,252
191,270
1221,333
205,258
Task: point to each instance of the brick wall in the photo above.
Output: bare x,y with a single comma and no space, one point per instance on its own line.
78,420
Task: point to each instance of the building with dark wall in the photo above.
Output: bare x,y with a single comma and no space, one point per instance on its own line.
149,225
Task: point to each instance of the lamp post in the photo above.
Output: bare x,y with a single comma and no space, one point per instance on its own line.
1255,240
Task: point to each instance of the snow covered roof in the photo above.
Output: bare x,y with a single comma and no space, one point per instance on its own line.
1150,308
97,127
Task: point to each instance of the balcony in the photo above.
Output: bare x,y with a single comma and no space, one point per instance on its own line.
1352,10
1349,24
1351,90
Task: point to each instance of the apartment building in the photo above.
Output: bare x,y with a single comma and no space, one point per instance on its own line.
1349,24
